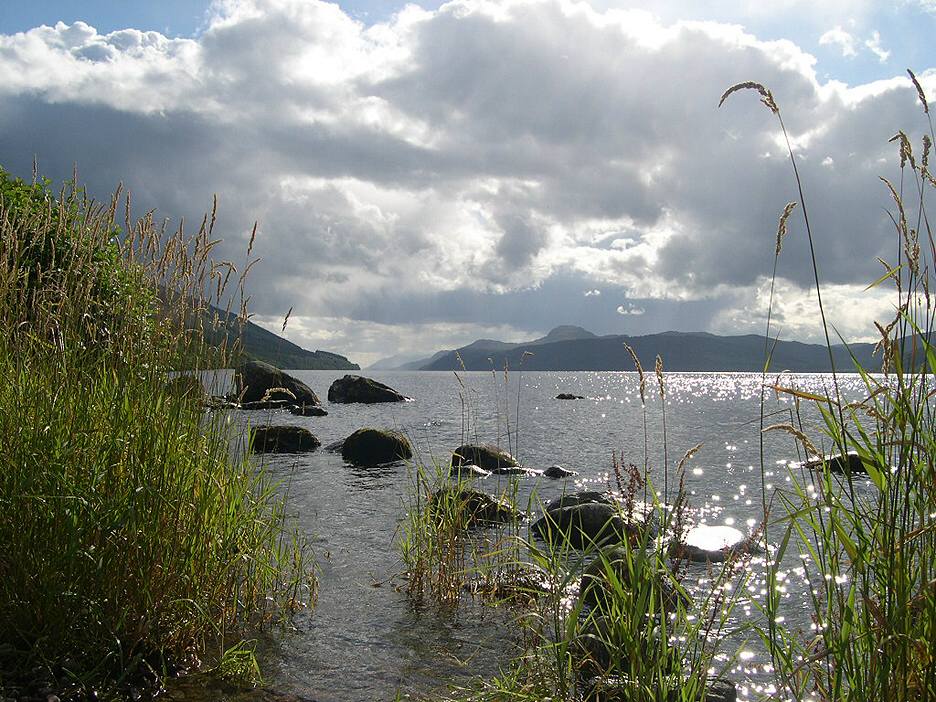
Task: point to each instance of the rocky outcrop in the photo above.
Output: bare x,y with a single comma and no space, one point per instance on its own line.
355,388
256,381
282,439
484,456
371,447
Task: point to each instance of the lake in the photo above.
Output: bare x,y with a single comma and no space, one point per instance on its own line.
365,641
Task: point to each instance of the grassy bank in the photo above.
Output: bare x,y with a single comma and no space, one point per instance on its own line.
133,537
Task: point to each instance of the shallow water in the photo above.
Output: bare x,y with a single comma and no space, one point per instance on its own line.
365,641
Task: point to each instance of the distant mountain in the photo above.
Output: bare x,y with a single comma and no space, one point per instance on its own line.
263,345
573,348
484,346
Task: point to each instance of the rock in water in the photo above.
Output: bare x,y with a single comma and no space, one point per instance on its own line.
583,524
470,470
309,411
569,396
371,447
489,458
283,439
253,381
713,543
478,508
354,388
558,471
849,463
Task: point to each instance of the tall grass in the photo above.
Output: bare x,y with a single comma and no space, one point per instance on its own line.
133,535
868,538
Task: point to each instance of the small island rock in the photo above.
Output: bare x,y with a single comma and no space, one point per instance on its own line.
254,381
371,447
283,439
355,388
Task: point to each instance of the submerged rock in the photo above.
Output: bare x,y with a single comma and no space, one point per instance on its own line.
569,396
557,472
484,456
282,439
478,508
309,411
256,381
371,447
355,388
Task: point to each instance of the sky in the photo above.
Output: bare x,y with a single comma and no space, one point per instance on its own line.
426,175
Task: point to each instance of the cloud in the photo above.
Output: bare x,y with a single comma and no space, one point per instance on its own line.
592,293
842,39
874,45
472,170
630,310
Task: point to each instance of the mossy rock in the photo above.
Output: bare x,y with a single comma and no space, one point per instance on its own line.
490,458
371,447
583,525
283,439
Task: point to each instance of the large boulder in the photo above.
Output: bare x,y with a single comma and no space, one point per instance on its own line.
355,388
255,381
371,447
283,439
484,456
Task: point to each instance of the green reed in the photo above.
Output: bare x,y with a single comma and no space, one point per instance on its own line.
134,538
869,537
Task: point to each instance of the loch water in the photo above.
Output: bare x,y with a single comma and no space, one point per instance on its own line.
366,641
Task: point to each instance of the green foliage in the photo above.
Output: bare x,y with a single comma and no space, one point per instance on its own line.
132,535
